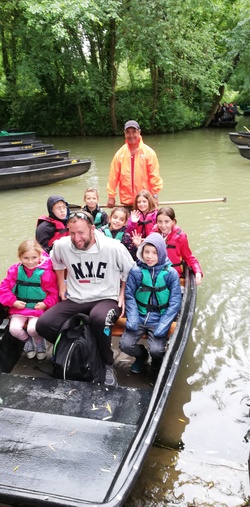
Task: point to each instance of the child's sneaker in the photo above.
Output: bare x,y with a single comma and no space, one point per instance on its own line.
110,377
140,361
29,348
41,350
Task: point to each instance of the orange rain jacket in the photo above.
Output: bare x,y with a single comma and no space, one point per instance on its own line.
146,173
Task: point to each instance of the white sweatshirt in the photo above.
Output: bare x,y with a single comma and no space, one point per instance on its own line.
92,274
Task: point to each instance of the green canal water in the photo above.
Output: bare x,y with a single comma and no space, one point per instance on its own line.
200,456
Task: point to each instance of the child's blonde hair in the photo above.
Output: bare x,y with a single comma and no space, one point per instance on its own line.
91,189
148,196
29,244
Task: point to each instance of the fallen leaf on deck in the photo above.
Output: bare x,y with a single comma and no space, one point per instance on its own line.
73,432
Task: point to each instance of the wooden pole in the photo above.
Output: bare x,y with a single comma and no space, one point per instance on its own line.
246,128
167,203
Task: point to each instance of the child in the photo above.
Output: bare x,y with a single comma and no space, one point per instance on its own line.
52,227
177,243
153,299
91,199
143,216
29,288
116,229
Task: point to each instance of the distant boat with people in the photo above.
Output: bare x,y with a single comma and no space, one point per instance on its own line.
224,116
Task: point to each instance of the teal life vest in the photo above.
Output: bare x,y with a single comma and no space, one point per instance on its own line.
98,219
107,232
29,289
97,215
147,289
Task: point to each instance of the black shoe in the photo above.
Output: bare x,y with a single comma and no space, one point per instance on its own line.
156,365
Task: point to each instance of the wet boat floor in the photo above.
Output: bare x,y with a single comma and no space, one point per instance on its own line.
44,369
46,423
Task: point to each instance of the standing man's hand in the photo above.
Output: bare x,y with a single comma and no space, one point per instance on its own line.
111,202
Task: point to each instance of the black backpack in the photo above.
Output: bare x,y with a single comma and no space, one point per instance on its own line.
75,354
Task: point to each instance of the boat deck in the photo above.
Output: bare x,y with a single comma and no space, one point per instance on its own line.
48,425
76,444
44,369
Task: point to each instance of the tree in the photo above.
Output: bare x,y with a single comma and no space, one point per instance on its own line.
62,63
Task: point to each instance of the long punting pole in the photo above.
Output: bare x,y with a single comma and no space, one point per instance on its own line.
192,201
166,203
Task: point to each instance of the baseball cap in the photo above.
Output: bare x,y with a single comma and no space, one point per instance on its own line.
133,124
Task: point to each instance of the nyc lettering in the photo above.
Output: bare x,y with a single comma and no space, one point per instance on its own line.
100,271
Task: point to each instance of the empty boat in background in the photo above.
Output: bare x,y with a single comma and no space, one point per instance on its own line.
42,174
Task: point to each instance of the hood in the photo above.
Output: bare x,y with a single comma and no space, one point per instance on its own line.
158,242
51,201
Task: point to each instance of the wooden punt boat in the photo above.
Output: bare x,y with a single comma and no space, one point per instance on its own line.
27,148
16,136
21,142
240,138
72,444
32,158
42,174
244,151
223,124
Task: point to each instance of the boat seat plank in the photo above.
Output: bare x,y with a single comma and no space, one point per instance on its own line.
73,398
119,325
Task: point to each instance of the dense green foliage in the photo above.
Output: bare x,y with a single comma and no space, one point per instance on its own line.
83,68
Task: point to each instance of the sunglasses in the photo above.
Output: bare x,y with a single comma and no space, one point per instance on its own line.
81,214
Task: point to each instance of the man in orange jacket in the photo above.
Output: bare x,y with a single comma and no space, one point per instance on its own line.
134,167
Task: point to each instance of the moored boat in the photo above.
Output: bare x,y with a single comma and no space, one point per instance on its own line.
32,158
27,148
16,136
21,142
244,151
81,444
240,138
42,174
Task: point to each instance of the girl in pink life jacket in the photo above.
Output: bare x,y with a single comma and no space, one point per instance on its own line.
28,290
178,249
142,218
